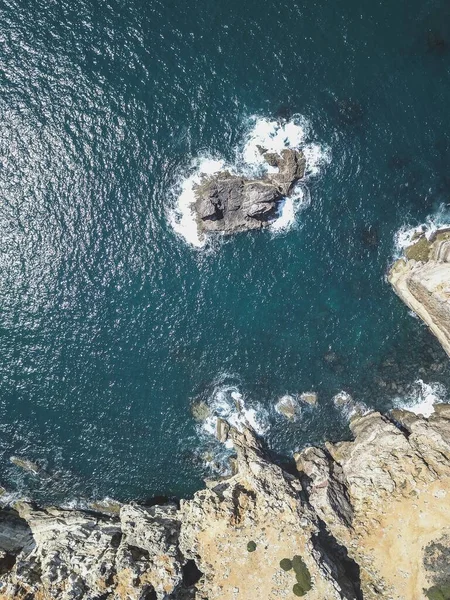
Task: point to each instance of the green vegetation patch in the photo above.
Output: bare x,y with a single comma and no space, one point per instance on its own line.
419,250
251,546
286,564
302,574
298,590
438,592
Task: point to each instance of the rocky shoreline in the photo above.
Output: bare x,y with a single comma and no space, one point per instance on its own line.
361,519
422,280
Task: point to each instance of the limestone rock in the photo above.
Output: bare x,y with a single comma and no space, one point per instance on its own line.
73,554
422,280
367,518
239,530
288,407
309,397
383,493
222,430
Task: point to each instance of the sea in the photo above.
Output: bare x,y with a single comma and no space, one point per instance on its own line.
117,318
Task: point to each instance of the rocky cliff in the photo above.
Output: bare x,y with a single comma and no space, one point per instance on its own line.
363,519
369,518
422,280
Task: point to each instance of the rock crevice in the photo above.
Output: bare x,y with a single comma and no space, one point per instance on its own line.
345,517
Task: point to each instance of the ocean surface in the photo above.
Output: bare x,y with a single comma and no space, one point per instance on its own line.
115,318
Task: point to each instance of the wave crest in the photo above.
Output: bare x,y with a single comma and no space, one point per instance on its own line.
422,398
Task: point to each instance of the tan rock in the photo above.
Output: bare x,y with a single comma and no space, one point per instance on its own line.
309,398
422,281
369,518
288,407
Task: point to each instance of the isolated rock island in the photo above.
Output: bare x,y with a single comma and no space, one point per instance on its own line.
230,203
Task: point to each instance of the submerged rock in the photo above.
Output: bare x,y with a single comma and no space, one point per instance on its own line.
26,465
288,407
231,203
200,410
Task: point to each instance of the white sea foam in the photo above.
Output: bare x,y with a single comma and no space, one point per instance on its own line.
182,218
347,406
407,235
422,398
227,402
264,133
8,498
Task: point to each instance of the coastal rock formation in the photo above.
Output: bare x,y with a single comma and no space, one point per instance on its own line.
369,518
230,203
71,554
422,280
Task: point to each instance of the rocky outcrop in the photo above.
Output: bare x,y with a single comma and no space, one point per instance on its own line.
71,554
422,280
369,518
231,203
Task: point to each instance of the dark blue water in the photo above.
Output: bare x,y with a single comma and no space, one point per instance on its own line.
110,324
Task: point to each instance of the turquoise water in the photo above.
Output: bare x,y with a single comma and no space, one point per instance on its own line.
111,324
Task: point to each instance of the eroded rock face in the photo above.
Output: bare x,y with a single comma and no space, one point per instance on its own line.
231,203
422,280
71,554
363,519
385,497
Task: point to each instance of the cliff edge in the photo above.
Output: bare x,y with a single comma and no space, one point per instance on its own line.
422,280
369,518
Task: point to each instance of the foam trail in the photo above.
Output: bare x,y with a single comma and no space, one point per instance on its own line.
290,207
275,137
422,398
227,402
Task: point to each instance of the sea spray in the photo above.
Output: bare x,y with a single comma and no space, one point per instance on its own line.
262,133
407,235
182,218
227,402
347,406
422,398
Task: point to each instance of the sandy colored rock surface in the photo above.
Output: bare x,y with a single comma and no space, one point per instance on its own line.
422,280
368,519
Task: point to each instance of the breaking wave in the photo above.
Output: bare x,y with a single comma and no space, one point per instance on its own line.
273,136
227,402
348,407
422,398
407,234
